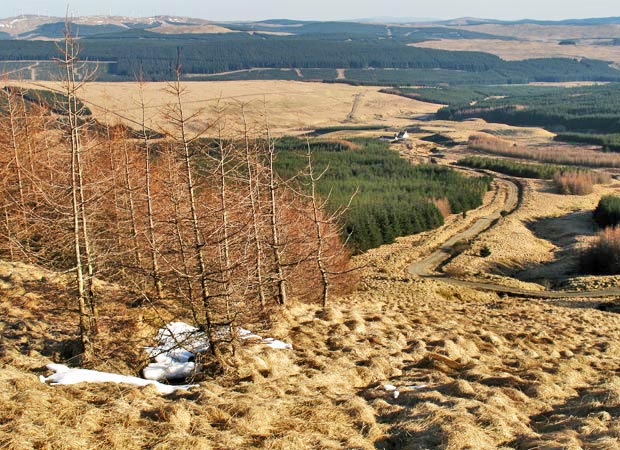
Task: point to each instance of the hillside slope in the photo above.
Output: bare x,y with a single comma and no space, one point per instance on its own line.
472,370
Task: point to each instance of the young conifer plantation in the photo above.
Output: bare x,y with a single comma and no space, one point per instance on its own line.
202,227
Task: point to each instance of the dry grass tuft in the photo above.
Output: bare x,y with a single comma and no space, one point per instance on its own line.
603,255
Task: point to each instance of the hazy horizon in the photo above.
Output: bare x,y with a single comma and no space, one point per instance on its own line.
243,10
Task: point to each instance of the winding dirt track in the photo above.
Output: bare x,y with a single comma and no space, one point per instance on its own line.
428,266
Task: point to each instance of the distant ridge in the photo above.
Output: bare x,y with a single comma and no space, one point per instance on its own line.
393,19
49,27
574,22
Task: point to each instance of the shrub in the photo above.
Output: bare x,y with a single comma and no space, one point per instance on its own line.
574,183
485,251
603,256
607,212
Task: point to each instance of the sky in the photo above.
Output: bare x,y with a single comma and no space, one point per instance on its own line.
222,10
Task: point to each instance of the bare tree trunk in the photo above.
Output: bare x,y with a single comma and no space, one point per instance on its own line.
132,208
13,116
88,257
27,133
84,268
255,210
276,245
225,241
186,275
316,218
155,272
198,242
111,148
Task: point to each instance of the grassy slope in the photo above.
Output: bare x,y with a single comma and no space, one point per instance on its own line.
499,371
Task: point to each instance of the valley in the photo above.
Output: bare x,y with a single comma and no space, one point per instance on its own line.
406,210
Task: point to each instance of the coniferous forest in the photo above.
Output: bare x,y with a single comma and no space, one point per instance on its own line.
586,114
391,198
368,57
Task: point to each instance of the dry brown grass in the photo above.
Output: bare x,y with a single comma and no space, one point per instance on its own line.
498,372
546,33
191,29
343,142
556,154
292,107
443,204
520,50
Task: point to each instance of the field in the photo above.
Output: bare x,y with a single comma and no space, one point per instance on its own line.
291,107
526,49
559,154
546,33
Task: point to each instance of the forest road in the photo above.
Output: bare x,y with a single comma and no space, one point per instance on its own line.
427,267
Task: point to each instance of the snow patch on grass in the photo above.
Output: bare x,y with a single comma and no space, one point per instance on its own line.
178,343
66,375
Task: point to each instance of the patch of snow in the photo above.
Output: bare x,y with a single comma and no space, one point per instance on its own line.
395,394
178,343
247,334
418,386
168,369
274,343
65,375
389,387
177,346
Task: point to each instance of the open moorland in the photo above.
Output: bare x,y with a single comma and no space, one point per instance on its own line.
290,107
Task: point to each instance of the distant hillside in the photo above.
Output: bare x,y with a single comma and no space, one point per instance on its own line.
349,52
56,30
46,27
574,22
49,27
392,19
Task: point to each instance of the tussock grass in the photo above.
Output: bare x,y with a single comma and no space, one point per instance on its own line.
473,371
